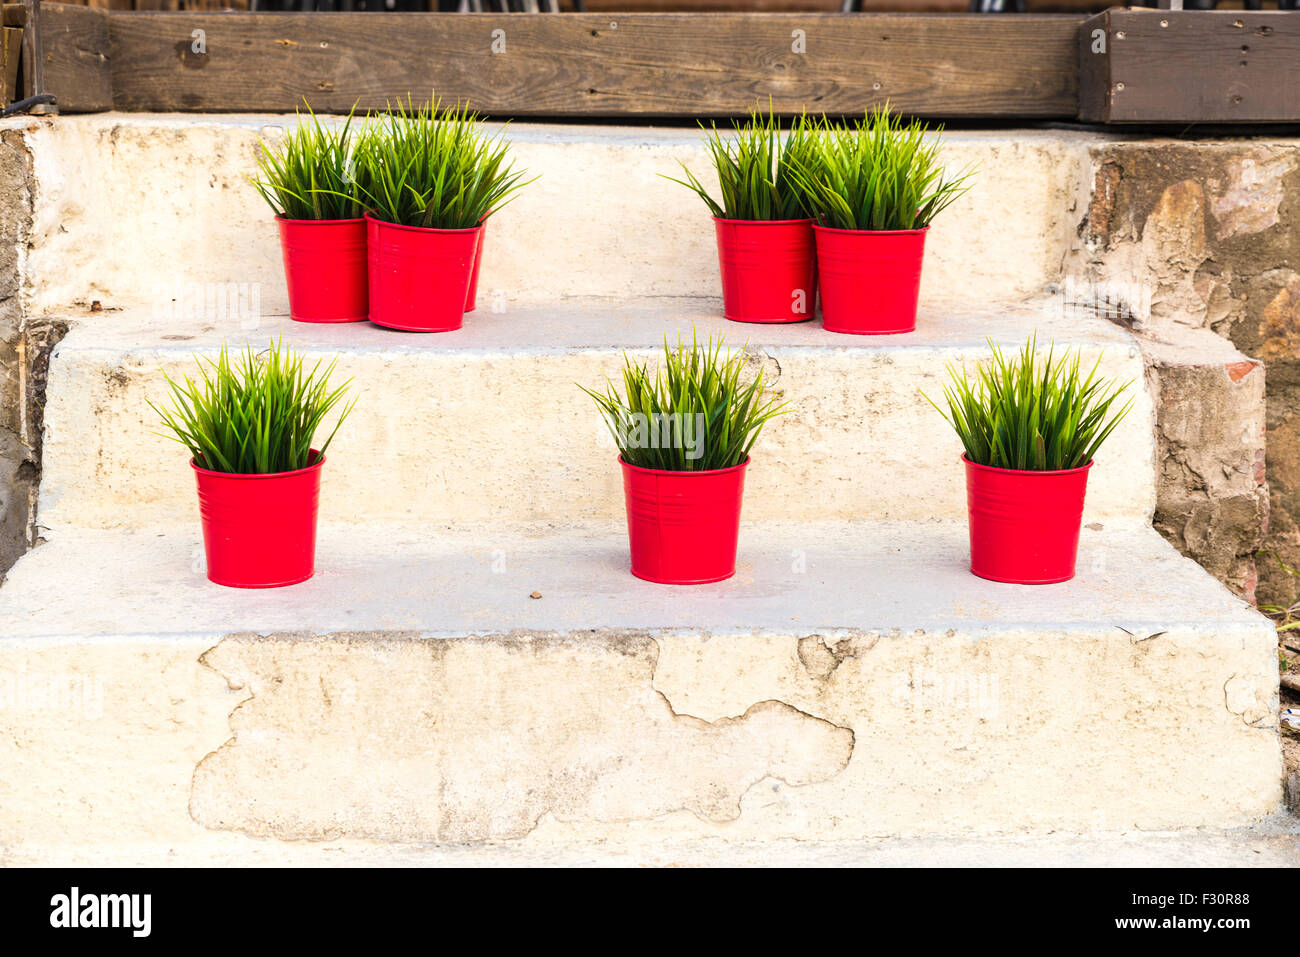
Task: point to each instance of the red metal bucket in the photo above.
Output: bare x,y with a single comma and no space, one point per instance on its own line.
471,300
769,269
259,531
870,281
325,269
683,527
1024,525
419,278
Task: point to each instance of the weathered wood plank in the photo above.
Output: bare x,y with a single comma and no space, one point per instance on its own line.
11,39
75,41
599,65
1190,66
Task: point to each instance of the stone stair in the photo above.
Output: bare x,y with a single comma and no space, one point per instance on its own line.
474,663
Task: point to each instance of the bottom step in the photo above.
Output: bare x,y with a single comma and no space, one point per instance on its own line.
1272,843
851,682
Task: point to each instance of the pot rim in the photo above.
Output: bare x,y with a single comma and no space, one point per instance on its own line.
637,468
1043,472
763,222
426,229
872,232
318,222
315,466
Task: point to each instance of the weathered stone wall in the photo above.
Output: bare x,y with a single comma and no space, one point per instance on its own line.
1211,498
24,357
1210,230
18,470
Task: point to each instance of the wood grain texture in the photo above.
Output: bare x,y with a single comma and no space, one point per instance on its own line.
75,40
583,65
1192,66
1094,68
11,39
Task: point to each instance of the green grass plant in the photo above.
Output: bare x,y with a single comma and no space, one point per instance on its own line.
253,414
1032,413
754,167
309,174
706,388
434,168
879,173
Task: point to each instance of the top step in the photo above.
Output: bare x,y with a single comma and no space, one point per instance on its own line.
133,209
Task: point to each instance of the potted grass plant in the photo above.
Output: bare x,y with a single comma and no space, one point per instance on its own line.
431,178
1030,427
307,179
249,424
684,433
766,251
874,187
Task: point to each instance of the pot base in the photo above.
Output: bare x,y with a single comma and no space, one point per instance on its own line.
389,325
284,584
869,332
683,581
767,322
1021,581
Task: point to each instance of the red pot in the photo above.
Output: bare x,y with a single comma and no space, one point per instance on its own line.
471,300
769,269
419,278
1024,526
683,526
325,269
259,531
870,281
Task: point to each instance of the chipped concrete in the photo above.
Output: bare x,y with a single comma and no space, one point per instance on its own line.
413,690
882,689
691,734
1248,196
394,739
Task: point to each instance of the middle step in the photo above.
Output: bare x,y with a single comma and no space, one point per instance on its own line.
488,423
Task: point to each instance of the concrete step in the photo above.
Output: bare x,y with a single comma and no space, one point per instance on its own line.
488,424
600,220
853,681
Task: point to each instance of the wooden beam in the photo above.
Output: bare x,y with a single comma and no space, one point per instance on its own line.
1190,66
599,65
31,62
11,39
76,69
